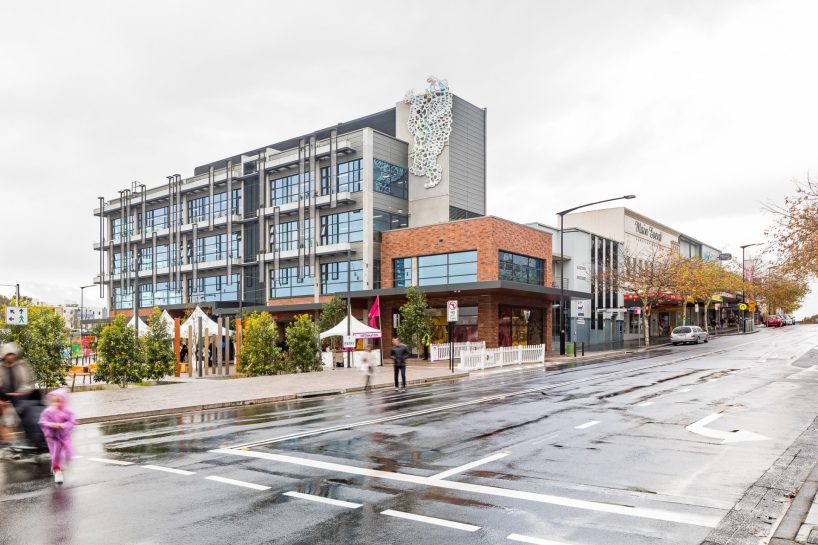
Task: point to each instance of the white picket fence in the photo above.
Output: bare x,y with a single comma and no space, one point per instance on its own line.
498,357
440,352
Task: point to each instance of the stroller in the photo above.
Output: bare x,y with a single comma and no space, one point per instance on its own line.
29,411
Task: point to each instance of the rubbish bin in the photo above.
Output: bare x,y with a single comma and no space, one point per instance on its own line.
569,349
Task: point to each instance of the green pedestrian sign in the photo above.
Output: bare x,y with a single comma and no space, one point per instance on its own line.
17,315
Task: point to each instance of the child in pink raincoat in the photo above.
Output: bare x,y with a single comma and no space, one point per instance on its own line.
57,421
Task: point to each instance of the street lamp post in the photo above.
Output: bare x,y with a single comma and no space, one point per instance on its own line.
349,301
743,280
562,264
16,287
82,315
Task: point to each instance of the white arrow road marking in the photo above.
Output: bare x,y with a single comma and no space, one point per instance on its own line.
726,436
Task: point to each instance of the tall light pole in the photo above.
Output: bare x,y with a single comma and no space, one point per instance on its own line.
82,315
562,264
744,280
16,287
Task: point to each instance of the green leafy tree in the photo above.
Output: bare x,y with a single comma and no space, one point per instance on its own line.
259,353
302,343
415,319
159,357
42,342
333,312
120,354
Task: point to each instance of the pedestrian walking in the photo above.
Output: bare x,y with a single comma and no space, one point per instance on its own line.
400,353
366,364
57,422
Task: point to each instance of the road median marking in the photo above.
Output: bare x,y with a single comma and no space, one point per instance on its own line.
322,499
695,519
431,520
466,467
234,482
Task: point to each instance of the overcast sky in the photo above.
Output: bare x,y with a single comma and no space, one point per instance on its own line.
704,110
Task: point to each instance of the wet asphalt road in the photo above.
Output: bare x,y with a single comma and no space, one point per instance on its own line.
599,454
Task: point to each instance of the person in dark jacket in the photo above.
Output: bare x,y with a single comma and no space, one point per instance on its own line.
400,353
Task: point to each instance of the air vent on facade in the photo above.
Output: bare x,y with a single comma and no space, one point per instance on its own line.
249,167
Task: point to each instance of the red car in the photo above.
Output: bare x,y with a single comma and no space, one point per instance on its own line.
774,321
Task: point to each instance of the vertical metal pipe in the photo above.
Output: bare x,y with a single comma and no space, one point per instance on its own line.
101,247
229,222
211,212
142,231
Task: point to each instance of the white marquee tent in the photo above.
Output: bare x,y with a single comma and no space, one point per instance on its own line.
358,330
142,326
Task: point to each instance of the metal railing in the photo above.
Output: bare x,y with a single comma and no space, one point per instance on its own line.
440,352
498,357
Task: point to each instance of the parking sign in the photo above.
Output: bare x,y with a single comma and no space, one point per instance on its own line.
452,311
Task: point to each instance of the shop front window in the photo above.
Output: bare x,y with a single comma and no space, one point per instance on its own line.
463,330
520,326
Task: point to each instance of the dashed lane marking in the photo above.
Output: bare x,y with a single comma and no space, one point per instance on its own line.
684,390
234,482
431,520
112,462
533,540
586,425
546,438
696,519
170,470
466,467
322,499
646,404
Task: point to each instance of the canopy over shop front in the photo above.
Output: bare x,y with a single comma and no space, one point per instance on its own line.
357,329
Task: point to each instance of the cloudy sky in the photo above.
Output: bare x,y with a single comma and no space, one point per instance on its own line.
705,110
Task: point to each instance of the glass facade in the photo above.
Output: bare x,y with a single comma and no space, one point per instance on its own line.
342,227
288,189
521,268
159,296
287,238
213,288
122,263
514,329
453,268
386,221
391,179
215,248
287,284
220,204
198,209
123,298
116,227
334,276
348,177
155,219
402,272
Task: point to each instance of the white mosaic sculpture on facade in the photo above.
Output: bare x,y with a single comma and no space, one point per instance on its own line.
430,123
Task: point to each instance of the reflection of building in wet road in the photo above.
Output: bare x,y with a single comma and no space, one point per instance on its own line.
635,451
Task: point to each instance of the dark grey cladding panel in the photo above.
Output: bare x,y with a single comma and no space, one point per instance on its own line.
467,157
381,121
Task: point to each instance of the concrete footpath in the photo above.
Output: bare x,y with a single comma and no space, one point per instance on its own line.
190,394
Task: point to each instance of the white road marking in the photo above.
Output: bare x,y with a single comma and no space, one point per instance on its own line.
322,499
587,425
546,438
112,462
485,399
684,390
726,436
431,520
533,540
234,482
655,514
170,470
466,467
646,404
78,457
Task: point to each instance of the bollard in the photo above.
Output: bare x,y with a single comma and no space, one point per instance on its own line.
575,349
583,348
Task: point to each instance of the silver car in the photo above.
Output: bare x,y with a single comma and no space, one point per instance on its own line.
688,334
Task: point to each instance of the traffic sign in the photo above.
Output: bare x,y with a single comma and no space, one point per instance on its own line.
742,306
751,307
580,321
17,315
349,342
452,311
725,257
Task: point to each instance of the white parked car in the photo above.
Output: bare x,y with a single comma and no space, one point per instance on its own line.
688,334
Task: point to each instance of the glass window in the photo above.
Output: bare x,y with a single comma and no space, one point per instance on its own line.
198,209
288,235
146,258
402,272
236,202
163,295
520,325
334,276
288,189
122,263
123,298
146,295
348,177
156,219
162,256
213,288
342,227
288,284
391,179
386,221
520,268
220,204
451,268
214,248
116,227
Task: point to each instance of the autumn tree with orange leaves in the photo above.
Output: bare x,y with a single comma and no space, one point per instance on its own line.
703,281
